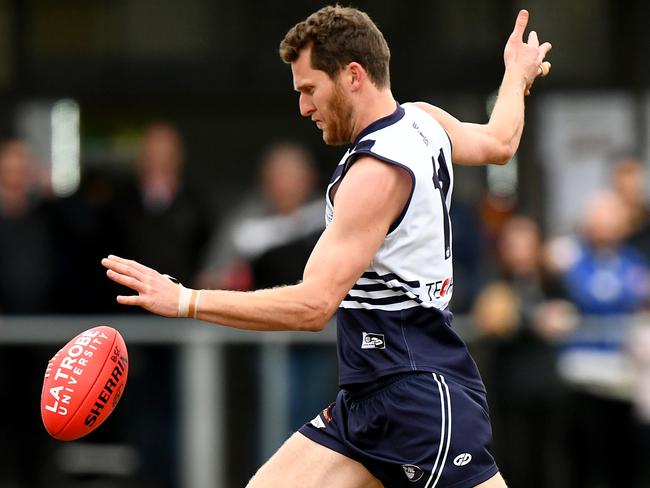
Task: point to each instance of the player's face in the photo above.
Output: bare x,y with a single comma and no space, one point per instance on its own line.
323,100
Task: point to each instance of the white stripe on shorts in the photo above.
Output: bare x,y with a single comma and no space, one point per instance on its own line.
445,430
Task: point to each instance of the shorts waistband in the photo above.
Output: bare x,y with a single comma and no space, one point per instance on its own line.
364,390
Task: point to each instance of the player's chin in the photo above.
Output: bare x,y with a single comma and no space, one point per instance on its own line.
331,140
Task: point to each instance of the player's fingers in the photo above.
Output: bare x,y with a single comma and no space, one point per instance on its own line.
544,68
129,300
122,268
545,48
520,25
130,262
124,280
533,40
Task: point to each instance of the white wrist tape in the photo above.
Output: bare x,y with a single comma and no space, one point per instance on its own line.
188,302
184,297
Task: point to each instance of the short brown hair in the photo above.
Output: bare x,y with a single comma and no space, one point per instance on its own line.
338,36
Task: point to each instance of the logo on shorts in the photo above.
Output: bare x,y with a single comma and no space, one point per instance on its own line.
463,459
317,422
373,341
412,472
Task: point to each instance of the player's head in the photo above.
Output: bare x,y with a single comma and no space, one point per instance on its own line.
339,36
335,53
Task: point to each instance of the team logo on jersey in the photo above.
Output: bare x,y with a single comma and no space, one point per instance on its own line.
463,459
373,341
413,472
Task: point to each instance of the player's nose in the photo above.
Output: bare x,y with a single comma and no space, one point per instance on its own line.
306,106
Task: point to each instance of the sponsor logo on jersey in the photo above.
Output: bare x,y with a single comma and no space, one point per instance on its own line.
413,472
439,289
425,139
373,341
463,459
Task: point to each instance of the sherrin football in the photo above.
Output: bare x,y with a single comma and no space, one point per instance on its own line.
83,383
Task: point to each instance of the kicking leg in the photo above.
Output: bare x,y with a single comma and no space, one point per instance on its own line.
302,463
496,481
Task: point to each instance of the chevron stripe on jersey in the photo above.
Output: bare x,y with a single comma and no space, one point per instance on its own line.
387,292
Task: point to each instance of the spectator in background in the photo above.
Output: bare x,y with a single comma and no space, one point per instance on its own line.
266,242
163,223
26,286
521,318
607,280
26,247
281,211
519,257
278,246
629,183
602,274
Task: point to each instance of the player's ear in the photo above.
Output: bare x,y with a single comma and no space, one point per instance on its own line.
356,75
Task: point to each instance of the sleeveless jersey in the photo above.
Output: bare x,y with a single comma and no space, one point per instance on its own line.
395,317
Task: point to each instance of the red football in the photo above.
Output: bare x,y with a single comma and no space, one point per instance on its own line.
83,383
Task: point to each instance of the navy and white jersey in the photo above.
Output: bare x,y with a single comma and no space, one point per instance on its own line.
395,318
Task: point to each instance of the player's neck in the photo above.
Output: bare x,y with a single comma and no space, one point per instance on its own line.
373,107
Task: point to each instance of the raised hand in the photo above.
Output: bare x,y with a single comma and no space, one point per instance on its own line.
527,59
156,293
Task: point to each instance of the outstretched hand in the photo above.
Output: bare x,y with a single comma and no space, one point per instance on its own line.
526,58
155,292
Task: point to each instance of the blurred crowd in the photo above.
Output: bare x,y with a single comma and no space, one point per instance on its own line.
49,246
564,341
557,323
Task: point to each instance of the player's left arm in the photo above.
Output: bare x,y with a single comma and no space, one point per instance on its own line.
369,199
497,141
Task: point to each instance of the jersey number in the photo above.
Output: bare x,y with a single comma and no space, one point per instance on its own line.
441,181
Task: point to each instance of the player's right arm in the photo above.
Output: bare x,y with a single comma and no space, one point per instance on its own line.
368,201
498,140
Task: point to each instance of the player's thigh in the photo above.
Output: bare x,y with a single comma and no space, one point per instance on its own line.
302,463
496,481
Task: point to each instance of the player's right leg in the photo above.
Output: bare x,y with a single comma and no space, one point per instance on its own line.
302,463
496,481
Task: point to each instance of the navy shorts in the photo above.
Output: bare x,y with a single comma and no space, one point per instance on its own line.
412,430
